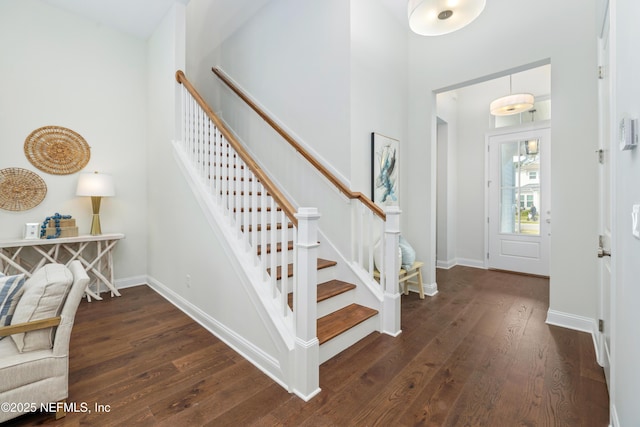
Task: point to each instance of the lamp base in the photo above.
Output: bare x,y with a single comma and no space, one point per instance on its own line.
95,225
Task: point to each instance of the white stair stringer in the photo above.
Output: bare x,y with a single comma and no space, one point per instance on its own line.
250,276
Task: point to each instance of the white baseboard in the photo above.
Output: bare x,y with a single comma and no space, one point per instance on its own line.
467,262
445,264
613,416
571,321
429,289
130,282
266,363
577,323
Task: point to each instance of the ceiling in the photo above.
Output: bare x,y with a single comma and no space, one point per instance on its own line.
136,17
141,17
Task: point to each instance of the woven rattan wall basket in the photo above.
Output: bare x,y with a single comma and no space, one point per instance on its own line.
57,150
20,189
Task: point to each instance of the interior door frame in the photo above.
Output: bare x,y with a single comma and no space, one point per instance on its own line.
608,143
526,127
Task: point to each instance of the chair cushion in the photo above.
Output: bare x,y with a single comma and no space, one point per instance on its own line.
20,369
11,288
43,297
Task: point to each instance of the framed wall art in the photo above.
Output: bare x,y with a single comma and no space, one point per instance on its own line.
384,170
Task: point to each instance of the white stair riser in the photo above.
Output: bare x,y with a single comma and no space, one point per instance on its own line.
326,274
335,303
348,338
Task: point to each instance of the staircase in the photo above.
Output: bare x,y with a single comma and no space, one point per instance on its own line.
319,306
341,322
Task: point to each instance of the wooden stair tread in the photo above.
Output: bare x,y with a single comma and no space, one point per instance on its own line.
332,288
259,209
327,290
278,247
322,263
259,227
332,325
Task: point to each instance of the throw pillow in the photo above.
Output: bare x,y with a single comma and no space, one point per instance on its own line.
408,253
43,297
377,256
11,288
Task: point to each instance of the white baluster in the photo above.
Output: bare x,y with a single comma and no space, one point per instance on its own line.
370,240
219,168
224,176
273,256
254,217
360,233
284,260
265,233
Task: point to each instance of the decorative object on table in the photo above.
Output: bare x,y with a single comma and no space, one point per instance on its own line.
384,170
57,150
95,185
31,230
58,226
20,189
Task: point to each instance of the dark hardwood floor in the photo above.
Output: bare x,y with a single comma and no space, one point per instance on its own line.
477,354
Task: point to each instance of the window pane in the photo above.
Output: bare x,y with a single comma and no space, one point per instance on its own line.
520,187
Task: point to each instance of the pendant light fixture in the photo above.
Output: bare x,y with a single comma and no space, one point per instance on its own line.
437,17
513,103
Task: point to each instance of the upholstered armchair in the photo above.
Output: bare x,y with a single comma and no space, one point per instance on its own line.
34,353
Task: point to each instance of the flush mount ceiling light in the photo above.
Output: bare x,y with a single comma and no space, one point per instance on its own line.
513,103
437,17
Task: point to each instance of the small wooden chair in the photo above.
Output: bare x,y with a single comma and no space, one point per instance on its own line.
404,275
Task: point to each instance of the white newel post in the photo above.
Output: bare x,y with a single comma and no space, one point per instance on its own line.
391,304
307,347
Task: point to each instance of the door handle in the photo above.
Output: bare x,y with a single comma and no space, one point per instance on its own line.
603,253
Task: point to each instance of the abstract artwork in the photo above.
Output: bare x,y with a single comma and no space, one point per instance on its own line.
384,170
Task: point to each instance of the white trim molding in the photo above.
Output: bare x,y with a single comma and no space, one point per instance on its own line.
577,323
571,321
267,364
429,289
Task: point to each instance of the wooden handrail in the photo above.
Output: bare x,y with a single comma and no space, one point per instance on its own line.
266,182
299,148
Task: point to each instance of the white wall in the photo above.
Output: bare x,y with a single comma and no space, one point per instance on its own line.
447,180
61,69
378,87
286,57
626,253
181,241
482,49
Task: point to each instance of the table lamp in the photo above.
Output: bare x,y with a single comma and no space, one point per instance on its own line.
95,185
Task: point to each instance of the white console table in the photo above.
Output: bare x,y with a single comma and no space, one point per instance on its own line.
94,252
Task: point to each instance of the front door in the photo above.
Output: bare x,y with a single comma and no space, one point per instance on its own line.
519,222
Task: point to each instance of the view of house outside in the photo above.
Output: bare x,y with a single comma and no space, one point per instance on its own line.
520,187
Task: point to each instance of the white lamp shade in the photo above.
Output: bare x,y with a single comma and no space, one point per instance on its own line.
437,17
512,104
95,184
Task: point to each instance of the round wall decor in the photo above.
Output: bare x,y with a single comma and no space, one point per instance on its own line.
57,150
20,189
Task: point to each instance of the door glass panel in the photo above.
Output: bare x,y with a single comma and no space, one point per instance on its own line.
520,187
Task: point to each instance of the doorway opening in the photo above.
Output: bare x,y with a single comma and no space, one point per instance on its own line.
463,122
